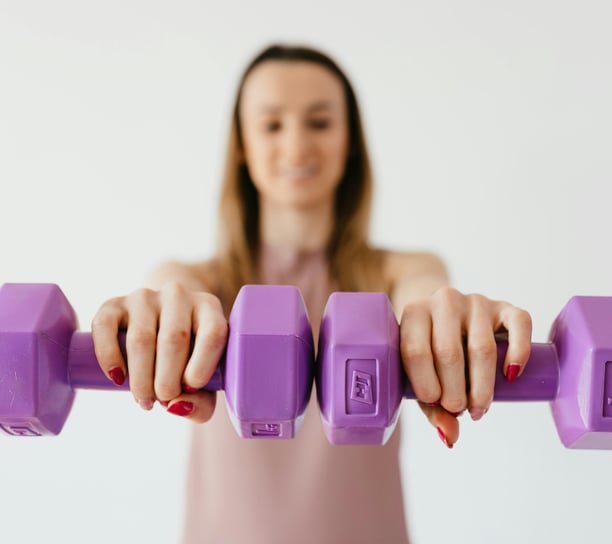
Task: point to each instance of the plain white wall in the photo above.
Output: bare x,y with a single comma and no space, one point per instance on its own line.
490,130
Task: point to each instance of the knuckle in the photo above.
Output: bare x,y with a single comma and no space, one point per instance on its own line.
478,301
449,356
174,289
415,354
107,357
480,399
211,301
214,333
198,373
198,377
453,404
482,350
175,337
143,295
165,390
141,337
413,309
514,313
102,320
142,390
108,315
524,317
447,295
426,392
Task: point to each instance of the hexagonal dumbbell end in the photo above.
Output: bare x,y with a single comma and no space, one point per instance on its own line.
582,408
359,380
36,325
269,362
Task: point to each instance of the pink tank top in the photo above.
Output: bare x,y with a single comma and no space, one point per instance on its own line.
299,491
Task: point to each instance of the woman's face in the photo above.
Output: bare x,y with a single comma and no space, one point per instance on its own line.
294,132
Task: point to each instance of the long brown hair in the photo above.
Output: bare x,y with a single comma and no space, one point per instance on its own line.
354,265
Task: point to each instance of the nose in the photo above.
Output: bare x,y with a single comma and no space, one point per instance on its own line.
296,144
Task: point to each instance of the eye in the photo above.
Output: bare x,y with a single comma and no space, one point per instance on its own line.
271,126
320,123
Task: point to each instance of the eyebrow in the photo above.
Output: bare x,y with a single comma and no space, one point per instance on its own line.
316,106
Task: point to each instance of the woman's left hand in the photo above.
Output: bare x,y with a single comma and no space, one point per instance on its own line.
449,336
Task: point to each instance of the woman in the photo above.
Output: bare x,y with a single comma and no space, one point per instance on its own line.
294,209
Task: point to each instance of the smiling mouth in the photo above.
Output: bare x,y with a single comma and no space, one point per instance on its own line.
298,173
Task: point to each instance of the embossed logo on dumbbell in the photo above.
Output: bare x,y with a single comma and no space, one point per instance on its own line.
361,387
266,429
19,430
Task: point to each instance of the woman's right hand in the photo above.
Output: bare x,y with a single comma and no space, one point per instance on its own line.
161,326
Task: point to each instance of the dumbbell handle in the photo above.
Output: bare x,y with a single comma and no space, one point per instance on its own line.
85,372
538,381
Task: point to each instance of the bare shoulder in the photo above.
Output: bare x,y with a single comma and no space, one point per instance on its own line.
200,276
412,275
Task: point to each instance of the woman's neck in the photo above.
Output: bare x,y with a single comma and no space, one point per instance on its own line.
304,229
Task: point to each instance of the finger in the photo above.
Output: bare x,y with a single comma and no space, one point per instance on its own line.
417,357
447,344
482,357
211,332
197,407
140,345
446,424
519,326
104,329
173,341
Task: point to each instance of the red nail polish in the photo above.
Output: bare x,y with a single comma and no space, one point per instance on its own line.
443,438
189,389
512,372
164,403
457,414
181,408
437,403
116,374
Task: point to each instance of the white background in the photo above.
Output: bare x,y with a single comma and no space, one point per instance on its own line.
490,130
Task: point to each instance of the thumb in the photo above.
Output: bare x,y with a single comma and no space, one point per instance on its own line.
445,423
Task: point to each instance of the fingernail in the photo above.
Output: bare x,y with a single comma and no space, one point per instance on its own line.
457,414
189,389
477,413
443,438
116,374
164,403
512,372
146,404
181,408
437,403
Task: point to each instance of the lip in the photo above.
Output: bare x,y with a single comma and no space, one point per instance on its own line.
298,173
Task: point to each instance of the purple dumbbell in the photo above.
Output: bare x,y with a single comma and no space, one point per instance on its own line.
266,371
361,382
